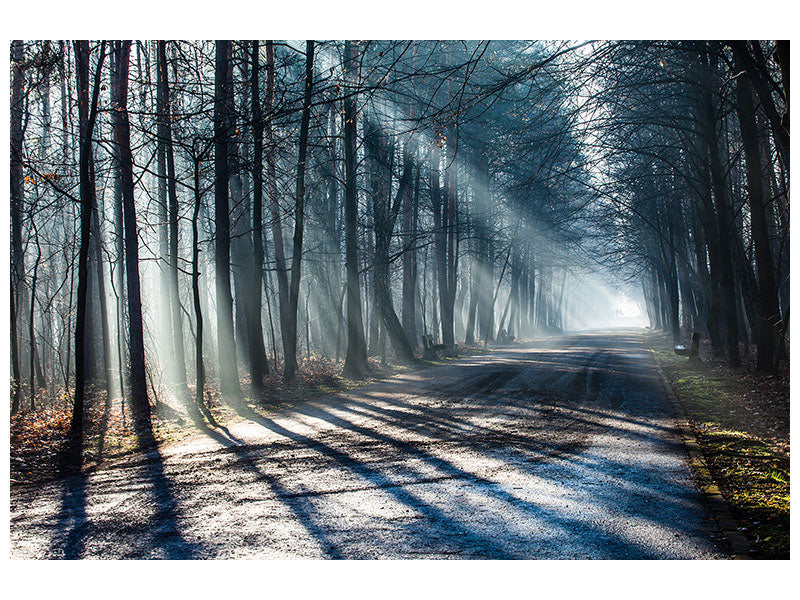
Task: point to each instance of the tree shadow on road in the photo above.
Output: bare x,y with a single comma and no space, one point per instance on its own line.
380,480
656,501
71,526
160,533
164,524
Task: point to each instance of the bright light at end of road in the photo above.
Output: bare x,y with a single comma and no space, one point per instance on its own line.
628,313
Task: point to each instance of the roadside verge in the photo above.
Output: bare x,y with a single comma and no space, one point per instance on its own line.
734,425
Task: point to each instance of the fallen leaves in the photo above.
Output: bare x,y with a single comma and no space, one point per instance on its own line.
740,418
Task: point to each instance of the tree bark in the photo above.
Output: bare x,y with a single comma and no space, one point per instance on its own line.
410,202
779,125
272,190
87,112
229,380
723,218
17,200
355,364
257,352
139,400
290,360
385,217
768,311
200,371
174,303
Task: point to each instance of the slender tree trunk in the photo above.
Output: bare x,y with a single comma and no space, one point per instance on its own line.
17,200
384,217
162,332
440,234
257,352
779,125
410,258
290,360
448,294
200,371
481,217
165,139
97,257
139,400
118,279
87,111
229,379
31,328
355,364
768,311
723,216
272,190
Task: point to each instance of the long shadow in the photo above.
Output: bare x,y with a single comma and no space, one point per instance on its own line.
432,420
298,503
71,526
164,527
554,518
497,491
397,418
410,416
478,434
383,482
303,509
667,498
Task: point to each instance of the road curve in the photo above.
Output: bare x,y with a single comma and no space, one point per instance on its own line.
560,448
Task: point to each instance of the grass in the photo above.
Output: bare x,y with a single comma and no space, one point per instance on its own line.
741,421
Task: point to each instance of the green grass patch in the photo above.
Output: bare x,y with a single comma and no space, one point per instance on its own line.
738,419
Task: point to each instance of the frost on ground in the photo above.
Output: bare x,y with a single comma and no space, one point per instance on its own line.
557,449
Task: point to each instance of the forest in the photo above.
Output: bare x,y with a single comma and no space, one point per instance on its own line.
202,224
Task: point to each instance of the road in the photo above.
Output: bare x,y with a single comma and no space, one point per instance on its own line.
559,448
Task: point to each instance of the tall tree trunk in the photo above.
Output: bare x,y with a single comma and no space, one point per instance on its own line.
272,191
118,271
87,111
162,333
139,400
257,353
779,125
17,200
481,217
165,139
229,379
96,250
355,364
768,311
716,317
410,199
200,371
440,233
724,225
448,296
290,360
384,217
31,328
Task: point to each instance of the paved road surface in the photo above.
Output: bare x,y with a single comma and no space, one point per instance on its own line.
561,448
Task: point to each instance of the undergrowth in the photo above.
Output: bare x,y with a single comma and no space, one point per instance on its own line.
741,421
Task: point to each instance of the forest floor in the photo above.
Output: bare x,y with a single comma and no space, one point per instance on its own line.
740,419
563,447
38,437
